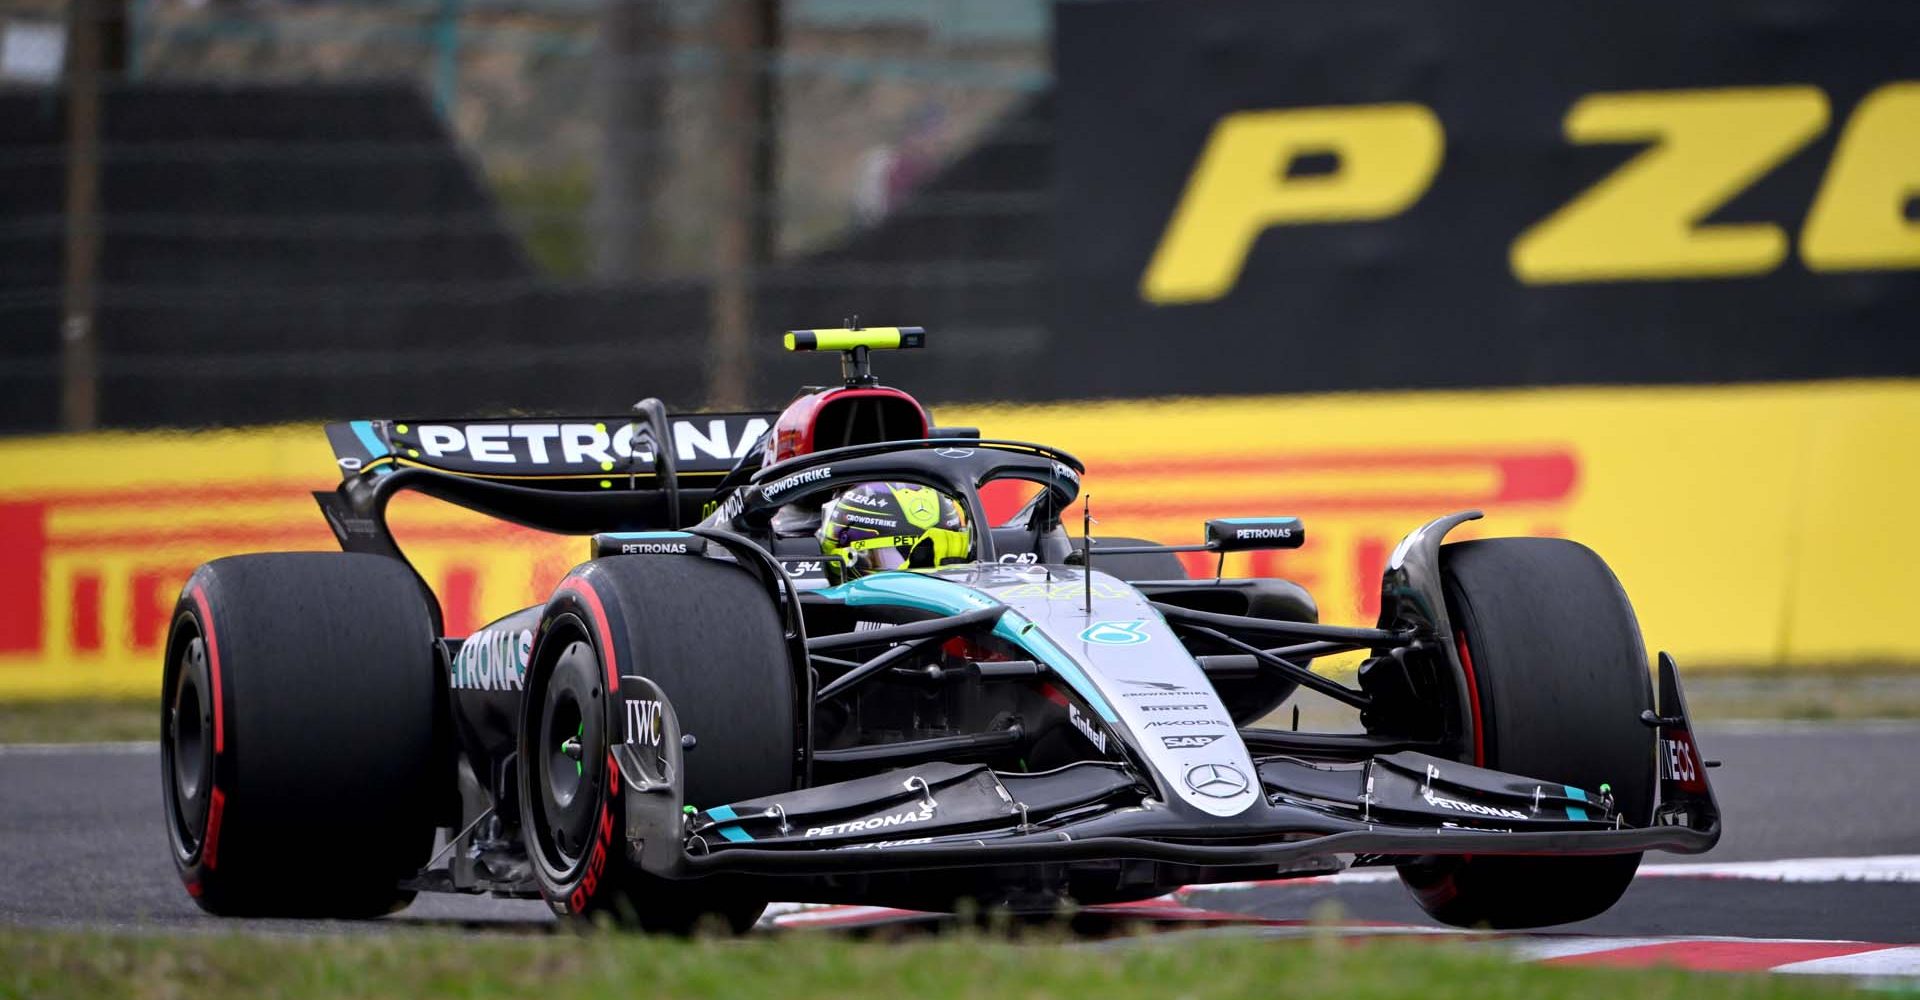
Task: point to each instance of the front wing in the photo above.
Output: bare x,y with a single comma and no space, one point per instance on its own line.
965,816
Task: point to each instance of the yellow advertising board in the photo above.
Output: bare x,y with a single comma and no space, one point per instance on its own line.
1752,525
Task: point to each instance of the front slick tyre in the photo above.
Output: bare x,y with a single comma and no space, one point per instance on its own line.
706,634
298,759
1554,652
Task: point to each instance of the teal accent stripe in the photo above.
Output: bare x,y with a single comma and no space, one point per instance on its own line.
363,429
928,593
1575,812
1013,628
910,590
645,534
1255,520
724,813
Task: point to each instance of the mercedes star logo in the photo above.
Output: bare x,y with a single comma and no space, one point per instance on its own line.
1216,781
953,452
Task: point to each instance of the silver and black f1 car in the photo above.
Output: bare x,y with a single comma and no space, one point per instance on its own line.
703,718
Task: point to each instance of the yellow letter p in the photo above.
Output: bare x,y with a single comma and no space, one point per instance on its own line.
1386,156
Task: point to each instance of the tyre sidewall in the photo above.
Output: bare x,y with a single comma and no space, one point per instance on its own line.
612,608
578,889
1514,721
1586,730
282,795
195,861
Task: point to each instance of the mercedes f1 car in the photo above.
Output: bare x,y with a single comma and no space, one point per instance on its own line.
712,711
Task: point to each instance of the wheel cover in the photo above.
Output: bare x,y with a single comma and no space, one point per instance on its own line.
568,750
187,744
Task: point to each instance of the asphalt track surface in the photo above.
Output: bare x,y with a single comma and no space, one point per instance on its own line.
81,836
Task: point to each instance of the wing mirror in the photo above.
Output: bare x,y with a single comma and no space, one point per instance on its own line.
1240,534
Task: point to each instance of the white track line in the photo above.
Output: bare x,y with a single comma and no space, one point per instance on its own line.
1543,949
1872,868
1903,961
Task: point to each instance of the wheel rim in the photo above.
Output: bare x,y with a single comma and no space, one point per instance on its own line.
568,751
564,767
188,745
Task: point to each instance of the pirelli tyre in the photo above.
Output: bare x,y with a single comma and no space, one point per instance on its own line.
707,634
298,751
1553,655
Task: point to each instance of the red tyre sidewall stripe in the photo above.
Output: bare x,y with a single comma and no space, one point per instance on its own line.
217,807
583,590
1473,700
210,844
591,882
213,664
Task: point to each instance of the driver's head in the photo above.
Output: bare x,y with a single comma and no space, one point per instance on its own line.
871,527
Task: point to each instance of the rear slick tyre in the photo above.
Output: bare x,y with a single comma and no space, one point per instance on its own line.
297,735
1553,652
707,634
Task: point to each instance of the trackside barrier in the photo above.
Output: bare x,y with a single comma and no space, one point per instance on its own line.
1752,525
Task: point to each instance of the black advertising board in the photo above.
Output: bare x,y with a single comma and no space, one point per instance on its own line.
1275,196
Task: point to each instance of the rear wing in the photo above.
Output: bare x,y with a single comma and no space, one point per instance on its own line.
553,452
570,475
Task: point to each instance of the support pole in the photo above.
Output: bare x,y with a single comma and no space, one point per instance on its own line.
744,41
632,79
96,46
766,146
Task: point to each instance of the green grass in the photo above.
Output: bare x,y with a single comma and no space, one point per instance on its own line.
48,965
79,720
1829,695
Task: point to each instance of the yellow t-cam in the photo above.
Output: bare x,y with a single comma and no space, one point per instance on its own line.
873,338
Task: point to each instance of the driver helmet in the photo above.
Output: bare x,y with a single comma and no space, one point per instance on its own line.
873,527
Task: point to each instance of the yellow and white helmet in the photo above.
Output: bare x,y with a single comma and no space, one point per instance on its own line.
873,527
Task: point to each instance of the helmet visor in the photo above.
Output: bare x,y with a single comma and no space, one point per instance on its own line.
879,558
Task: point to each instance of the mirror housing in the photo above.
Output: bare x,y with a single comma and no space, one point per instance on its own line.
1242,534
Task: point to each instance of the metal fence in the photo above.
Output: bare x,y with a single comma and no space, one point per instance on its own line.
243,210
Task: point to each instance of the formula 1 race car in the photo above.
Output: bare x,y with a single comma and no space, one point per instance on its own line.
800,663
